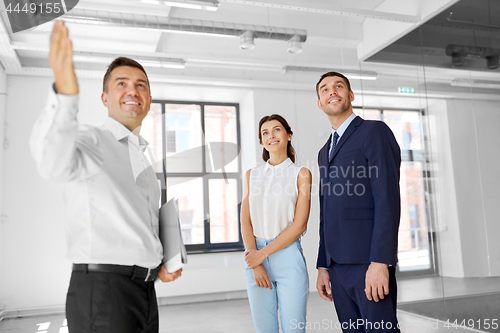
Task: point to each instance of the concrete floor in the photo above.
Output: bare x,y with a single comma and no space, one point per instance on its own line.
436,287
234,315
224,317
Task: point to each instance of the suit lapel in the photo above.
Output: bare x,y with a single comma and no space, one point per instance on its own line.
350,129
323,153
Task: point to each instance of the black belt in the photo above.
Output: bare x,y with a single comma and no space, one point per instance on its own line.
134,272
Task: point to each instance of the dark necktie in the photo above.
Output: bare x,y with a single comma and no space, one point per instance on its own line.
334,144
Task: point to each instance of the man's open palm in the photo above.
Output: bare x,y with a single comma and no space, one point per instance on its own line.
61,60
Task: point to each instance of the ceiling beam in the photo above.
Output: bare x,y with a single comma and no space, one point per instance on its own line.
340,11
8,56
125,7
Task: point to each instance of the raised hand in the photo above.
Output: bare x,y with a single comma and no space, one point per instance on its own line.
61,60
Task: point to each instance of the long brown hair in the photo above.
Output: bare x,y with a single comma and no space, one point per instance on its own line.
289,150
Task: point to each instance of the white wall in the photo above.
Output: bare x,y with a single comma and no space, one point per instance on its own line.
247,126
3,95
465,141
443,196
474,137
33,240
487,120
468,187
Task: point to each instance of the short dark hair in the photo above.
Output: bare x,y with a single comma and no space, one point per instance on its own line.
289,149
332,74
119,62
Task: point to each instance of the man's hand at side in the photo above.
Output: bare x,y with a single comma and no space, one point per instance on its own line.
165,276
323,285
377,281
61,60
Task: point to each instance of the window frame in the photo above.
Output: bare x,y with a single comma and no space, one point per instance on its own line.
207,246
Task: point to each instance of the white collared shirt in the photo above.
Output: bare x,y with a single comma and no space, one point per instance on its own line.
111,191
272,198
340,131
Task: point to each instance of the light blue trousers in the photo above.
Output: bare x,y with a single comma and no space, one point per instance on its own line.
287,272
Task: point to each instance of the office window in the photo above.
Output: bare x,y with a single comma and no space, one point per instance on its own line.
199,143
415,249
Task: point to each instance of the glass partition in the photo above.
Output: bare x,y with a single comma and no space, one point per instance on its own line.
442,105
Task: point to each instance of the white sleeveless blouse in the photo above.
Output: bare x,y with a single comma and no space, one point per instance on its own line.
272,198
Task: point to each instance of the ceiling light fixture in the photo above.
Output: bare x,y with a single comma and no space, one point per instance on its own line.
211,5
294,45
247,41
356,75
104,58
164,64
475,83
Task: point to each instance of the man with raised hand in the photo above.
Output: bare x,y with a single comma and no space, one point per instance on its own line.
112,195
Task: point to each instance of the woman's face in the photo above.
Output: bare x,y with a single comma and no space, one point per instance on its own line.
274,137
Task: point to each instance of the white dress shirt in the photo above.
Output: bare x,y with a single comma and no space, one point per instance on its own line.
111,191
272,198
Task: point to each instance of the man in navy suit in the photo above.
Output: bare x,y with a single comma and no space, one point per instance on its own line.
359,213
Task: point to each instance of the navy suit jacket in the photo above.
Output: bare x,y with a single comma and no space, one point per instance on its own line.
360,202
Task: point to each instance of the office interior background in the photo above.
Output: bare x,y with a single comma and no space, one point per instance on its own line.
428,68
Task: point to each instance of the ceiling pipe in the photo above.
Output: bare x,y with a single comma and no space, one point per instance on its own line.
473,25
182,25
458,54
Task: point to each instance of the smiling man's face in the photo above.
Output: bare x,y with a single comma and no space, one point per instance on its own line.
334,96
127,97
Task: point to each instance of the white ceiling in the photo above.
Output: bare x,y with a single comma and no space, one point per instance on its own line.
340,34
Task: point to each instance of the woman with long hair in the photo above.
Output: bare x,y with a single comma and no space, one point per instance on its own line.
274,214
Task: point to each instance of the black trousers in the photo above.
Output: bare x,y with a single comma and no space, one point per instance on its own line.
355,312
110,303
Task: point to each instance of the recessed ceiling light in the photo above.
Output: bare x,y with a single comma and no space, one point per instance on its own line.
359,75
145,61
211,5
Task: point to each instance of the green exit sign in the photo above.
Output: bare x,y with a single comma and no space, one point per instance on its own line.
406,90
